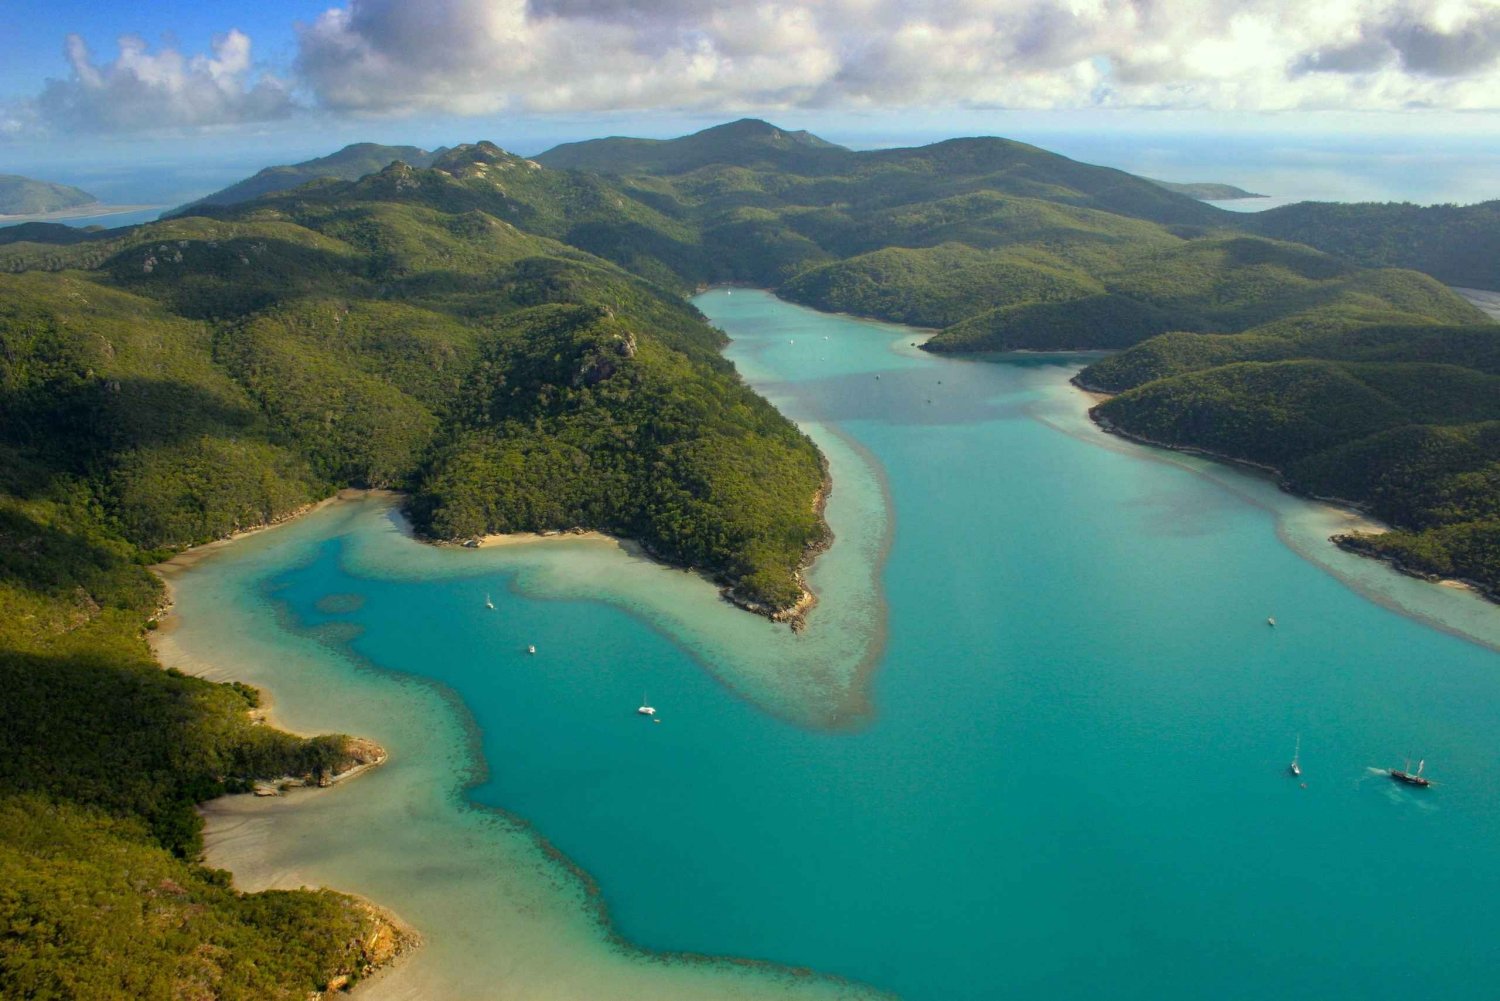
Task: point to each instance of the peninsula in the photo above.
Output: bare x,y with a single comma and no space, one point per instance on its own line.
28,196
507,342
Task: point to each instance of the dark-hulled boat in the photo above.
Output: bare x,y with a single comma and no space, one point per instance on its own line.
1415,778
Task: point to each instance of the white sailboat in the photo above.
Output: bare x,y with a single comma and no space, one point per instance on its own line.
487,602
1294,767
646,709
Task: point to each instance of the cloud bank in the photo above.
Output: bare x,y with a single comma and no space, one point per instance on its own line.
142,91
465,57
590,55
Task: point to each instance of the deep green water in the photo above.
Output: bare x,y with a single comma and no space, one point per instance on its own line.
1072,781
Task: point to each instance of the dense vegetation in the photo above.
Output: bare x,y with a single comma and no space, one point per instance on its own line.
1415,442
506,340
1252,344
27,196
1458,244
103,756
348,164
168,384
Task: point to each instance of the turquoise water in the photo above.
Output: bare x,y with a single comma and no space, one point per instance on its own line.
1070,779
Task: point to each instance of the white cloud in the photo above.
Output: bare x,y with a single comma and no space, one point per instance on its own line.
392,57
144,91
395,56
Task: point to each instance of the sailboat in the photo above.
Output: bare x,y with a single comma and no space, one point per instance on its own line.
1410,778
487,602
1294,768
646,709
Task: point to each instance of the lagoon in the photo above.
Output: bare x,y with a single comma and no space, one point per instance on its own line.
1032,744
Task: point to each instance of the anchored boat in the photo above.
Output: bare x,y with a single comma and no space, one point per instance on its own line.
1411,778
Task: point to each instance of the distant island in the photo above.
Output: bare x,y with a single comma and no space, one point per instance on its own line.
28,196
1207,191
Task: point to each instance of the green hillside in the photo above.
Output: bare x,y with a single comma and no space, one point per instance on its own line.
507,341
1414,442
1457,244
171,383
28,196
348,164
1002,246
747,142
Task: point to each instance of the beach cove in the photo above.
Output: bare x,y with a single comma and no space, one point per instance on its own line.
1031,742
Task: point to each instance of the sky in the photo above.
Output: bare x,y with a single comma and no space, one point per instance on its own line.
186,82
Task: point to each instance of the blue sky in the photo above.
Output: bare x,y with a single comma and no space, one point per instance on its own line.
279,79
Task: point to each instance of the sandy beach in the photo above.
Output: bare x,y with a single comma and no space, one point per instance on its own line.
1486,300
404,835
78,212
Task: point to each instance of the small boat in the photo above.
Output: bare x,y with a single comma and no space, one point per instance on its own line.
1294,768
1270,621
646,709
488,603
531,648
1410,778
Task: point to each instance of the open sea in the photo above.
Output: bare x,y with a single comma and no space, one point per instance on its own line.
1033,744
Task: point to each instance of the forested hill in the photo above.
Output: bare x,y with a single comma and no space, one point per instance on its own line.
509,343
348,164
748,142
1458,244
170,383
753,163
28,196
1329,366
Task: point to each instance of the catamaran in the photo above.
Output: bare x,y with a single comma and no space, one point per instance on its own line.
646,709
1295,768
1411,778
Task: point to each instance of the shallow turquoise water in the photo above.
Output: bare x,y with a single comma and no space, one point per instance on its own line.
1072,783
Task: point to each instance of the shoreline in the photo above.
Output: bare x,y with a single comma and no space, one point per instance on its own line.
242,828
76,212
244,825
1362,522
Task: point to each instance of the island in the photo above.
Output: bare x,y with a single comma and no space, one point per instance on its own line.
506,342
26,196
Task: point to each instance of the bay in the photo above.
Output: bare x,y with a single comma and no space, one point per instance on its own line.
1032,744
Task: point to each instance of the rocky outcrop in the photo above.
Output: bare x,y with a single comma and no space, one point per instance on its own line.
382,940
